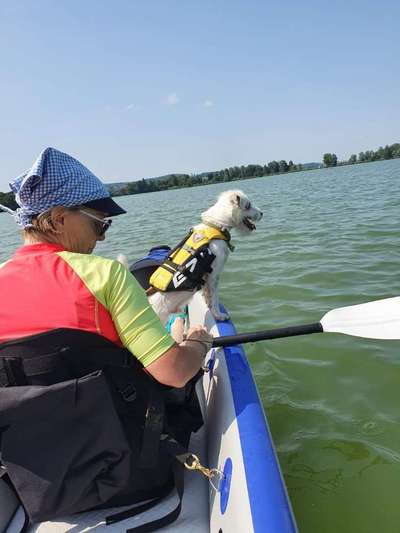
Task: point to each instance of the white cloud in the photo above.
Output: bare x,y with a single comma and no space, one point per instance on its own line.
208,103
172,99
132,107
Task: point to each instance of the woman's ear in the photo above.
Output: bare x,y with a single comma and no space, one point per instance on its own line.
57,219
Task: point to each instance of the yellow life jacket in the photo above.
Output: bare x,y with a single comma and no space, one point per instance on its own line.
186,265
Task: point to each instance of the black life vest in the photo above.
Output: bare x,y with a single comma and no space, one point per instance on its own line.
83,426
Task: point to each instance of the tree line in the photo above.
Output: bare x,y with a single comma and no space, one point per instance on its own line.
177,181
7,199
388,152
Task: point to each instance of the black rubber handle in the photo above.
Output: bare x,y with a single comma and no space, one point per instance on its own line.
231,340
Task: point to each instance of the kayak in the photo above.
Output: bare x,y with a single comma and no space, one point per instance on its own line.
245,493
252,495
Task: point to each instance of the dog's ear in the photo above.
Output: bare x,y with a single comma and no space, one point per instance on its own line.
235,199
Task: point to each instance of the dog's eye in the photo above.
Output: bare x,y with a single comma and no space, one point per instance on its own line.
248,205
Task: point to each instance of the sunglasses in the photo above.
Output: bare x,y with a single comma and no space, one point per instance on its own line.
101,225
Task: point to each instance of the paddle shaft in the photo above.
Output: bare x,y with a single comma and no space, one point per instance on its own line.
231,340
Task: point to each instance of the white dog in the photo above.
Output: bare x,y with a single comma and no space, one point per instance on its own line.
197,262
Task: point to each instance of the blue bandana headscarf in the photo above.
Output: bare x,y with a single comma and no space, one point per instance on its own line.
54,179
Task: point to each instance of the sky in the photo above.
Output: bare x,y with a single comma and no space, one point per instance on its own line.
142,88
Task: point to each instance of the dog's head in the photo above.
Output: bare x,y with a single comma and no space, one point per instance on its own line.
233,209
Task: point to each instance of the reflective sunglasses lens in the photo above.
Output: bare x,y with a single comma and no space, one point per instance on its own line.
102,227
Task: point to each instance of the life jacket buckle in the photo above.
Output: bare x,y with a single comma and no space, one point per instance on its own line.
129,393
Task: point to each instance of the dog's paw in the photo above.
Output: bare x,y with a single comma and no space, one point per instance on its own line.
218,315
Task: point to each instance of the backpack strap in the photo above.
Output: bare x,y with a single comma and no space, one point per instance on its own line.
180,455
55,353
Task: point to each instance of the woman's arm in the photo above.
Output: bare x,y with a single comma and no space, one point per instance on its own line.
181,362
141,331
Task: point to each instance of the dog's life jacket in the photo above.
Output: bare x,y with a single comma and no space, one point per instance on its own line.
185,266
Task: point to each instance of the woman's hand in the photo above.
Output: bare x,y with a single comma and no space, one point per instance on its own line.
198,335
181,362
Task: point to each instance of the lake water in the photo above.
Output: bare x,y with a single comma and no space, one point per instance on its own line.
328,238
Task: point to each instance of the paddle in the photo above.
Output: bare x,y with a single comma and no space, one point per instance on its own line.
373,320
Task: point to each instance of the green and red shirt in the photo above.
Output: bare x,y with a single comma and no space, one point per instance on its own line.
44,287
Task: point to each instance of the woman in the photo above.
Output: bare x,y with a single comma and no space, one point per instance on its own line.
65,316
53,281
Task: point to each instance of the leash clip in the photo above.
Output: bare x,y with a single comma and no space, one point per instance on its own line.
213,475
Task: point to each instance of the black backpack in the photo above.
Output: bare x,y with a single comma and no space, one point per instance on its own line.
82,427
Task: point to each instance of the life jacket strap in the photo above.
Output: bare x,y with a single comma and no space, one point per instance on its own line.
181,243
170,266
224,232
189,249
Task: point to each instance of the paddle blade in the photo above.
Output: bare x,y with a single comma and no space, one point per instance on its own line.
372,320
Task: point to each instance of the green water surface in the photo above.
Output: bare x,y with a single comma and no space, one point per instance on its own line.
328,238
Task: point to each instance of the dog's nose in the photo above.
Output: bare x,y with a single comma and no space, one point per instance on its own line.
261,214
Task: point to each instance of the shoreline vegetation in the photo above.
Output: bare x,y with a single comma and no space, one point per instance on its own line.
179,181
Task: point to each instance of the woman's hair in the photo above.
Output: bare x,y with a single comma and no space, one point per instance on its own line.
42,224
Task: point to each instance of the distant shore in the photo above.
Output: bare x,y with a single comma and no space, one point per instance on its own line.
226,175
